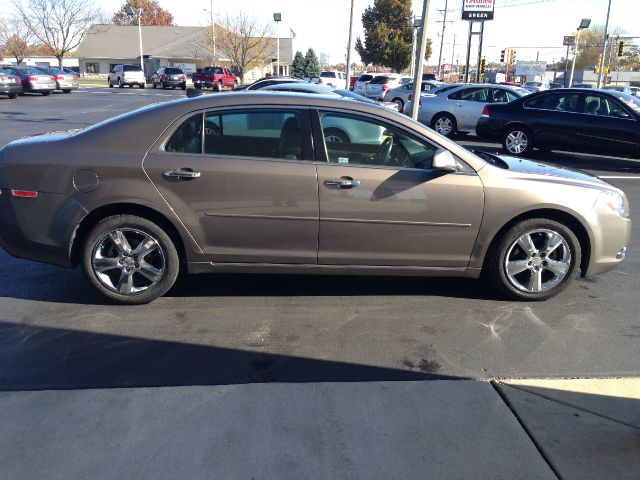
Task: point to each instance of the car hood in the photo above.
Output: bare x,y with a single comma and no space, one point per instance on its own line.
569,175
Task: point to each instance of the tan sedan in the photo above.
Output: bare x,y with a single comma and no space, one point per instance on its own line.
291,183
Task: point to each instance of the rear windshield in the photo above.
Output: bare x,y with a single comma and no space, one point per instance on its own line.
172,71
55,71
380,80
132,68
328,74
365,78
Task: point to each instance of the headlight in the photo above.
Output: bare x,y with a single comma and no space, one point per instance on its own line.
615,202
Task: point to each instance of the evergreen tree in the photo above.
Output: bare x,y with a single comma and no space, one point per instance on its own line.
312,66
297,67
388,34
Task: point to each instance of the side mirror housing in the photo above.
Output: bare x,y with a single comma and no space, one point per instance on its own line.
444,161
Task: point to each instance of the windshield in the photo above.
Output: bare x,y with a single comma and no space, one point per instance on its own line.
630,100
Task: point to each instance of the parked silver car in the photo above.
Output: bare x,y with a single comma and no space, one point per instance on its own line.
534,87
378,87
458,109
33,80
402,94
65,81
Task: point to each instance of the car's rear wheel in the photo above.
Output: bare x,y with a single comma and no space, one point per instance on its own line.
184,86
120,83
219,86
445,124
13,95
130,259
110,84
66,90
399,102
141,85
197,86
534,260
46,93
517,141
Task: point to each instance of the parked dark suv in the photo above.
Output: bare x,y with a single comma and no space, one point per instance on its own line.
169,77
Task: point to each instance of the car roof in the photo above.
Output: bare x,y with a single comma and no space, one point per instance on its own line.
300,85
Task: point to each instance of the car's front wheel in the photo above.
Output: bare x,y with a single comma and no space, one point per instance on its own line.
534,260
130,259
517,141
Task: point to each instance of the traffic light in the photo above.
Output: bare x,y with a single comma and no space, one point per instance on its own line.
502,56
620,48
482,64
597,69
463,70
512,57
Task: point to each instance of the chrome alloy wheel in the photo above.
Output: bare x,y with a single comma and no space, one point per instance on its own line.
538,261
443,126
516,142
128,261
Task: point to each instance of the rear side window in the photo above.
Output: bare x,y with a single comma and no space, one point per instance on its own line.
188,137
471,95
132,68
256,133
567,102
381,80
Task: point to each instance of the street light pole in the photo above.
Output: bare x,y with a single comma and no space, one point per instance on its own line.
128,9
349,49
444,25
277,17
417,75
584,23
213,36
604,46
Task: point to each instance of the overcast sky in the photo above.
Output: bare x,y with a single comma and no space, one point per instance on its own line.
528,25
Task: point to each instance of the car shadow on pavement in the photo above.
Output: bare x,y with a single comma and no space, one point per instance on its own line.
43,358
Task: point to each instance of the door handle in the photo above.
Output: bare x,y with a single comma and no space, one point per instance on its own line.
182,174
342,182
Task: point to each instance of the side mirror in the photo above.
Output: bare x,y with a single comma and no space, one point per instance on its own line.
444,161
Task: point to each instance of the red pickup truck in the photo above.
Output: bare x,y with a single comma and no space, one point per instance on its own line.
214,77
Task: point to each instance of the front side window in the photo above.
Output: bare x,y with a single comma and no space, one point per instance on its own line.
472,95
188,137
352,140
256,133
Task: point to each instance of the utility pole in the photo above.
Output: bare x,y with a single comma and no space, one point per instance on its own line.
453,52
479,52
604,46
444,25
466,67
422,47
349,49
213,36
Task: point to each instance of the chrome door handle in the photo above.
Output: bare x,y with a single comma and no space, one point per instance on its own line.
183,173
342,182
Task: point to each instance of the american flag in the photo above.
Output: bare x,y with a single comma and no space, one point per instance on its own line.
292,33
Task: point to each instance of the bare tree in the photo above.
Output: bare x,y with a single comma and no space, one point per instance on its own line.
243,40
58,24
15,39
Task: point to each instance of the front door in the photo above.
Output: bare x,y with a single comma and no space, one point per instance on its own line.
243,183
382,204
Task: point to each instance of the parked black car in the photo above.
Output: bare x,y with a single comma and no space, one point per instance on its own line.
169,77
10,85
571,119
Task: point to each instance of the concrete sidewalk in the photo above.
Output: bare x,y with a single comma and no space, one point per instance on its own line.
387,430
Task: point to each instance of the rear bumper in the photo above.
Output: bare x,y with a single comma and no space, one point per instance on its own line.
39,87
39,229
173,83
9,89
67,85
487,129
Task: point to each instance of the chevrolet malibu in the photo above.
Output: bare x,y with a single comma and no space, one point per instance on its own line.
254,182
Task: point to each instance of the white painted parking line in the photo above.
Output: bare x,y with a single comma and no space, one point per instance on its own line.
618,177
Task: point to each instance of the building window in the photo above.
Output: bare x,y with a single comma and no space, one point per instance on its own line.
92,67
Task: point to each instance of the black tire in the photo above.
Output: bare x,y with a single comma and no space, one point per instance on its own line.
141,85
184,86
13,95
66,91
168,253
218,87
153,84
517,141
120,83
398,101
509,285
46,93
336,135
439,121
197,86
110,84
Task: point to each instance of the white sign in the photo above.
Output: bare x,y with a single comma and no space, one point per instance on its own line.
531,69
477,10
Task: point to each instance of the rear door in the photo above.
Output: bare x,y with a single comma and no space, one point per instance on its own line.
555,120
382,204
248,191
468,104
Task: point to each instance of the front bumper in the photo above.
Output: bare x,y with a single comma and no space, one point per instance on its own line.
611,238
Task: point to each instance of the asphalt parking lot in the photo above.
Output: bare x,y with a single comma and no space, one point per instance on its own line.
55,332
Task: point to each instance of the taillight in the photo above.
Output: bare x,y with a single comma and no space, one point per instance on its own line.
18,80
485,111
184,77
320,80
410,97
59,77
24,193
75,79
32,78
